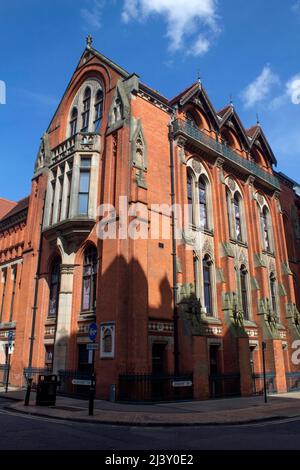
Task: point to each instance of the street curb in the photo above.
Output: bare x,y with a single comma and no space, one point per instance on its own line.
11,398
158,424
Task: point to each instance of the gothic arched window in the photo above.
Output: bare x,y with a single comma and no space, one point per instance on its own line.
90,268
191,120
98,110
207,285
86,110
273,293
190,197
54,288
73,121
202,186
244,293
237,217
265,229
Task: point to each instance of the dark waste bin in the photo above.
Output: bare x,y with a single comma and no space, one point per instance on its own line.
46,390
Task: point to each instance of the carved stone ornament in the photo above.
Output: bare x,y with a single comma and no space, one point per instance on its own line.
260,199
43,159
231,184
197,167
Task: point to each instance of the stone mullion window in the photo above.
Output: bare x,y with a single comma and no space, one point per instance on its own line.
51,200
84,186
60,189
67,188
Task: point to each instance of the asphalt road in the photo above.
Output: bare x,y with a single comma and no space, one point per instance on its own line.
20,432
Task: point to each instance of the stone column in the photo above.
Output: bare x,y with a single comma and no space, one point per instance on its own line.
63,328
64,316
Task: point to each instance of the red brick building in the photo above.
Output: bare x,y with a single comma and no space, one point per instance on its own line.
163,304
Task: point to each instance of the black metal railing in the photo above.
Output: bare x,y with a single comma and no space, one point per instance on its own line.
225,385
34,373
3,373
183,127
155,388
258,383
74,383
293,381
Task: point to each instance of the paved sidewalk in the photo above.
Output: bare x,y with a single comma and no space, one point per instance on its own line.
214,412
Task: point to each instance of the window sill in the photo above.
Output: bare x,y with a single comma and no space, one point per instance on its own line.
51,321
269,253
250,324
91,314
239,242
211,320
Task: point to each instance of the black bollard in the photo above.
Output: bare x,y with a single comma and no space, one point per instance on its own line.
92,394
28,391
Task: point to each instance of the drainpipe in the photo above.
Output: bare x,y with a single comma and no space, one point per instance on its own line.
174,254
36,289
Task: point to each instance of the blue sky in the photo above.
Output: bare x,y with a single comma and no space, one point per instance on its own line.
249,50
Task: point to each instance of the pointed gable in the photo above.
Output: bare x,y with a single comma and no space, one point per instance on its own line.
229,117
196,94
258,138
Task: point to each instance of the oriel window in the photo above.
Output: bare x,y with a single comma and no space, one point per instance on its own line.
84,186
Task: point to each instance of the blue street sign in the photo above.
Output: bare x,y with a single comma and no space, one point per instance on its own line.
10,336
93,330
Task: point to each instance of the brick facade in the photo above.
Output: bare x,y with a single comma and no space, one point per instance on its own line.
111,137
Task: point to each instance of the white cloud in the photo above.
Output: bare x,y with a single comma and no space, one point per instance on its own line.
201,46
293,89
296,7
184,18
260,88
92,16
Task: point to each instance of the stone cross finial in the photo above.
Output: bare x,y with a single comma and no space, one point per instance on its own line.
89,41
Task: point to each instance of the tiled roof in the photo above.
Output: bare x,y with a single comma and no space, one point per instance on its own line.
18,207
6,206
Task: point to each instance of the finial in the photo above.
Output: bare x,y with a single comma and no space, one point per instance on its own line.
199,78
89,41
257,119
231,101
